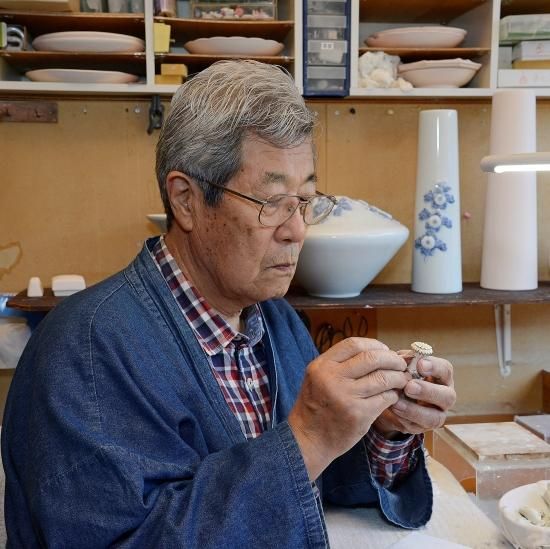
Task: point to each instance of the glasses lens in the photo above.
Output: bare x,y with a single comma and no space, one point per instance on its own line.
278,209
317,209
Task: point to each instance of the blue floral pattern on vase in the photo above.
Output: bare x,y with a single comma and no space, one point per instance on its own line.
437,199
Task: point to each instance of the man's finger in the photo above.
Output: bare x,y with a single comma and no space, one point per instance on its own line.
348,348
439,369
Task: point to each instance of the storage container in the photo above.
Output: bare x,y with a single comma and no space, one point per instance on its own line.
325,79
245,10
327,52
514,28
532,50
326,7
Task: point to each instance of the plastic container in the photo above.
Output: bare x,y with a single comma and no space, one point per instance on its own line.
94,6
231,11
118,6
325,79
327,52
326,7
515,28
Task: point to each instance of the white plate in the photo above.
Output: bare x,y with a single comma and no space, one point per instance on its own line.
439,73
88,41
417,37
81,76
234,45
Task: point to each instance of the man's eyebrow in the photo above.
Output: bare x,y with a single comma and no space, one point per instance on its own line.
274,177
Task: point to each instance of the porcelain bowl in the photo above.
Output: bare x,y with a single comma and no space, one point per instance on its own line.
342,255
519,531
439,73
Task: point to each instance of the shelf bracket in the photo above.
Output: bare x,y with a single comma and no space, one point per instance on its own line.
503,326
156,114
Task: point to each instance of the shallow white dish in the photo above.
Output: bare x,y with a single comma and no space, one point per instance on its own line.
88,41
417,37
159,220
439,73
81,76
519,531
234,45
342,254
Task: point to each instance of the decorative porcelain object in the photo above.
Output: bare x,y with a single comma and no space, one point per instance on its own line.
436,36
437,258
439,73
515,525
342,254
509,260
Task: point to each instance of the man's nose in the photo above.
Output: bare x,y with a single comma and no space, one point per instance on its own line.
294,228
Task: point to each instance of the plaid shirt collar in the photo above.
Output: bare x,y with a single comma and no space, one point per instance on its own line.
211,330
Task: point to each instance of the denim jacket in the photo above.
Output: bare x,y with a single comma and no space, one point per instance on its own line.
116,434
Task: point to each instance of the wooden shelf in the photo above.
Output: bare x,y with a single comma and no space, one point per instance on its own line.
516,7
378,296
419,11
385,296
419,54
23,61
42,23
189,29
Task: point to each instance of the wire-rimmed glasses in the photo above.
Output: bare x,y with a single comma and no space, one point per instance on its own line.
279,208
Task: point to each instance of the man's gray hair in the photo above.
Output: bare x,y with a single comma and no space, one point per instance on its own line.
211,114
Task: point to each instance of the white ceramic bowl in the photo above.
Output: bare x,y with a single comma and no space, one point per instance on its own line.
519,531
159,220
234,45
346,251
439,73
417,37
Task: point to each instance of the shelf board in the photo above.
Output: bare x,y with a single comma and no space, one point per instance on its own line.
42,23
23,61
394,93
418,54
517,7
196,62
377,296
385,296
419,11
189,29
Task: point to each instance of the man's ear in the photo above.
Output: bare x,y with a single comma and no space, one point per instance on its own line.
181,193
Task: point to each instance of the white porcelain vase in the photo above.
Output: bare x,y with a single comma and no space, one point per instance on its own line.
342,254
437,257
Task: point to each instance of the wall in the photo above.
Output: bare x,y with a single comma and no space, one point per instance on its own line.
74,196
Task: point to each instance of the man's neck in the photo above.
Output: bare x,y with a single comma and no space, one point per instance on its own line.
232,317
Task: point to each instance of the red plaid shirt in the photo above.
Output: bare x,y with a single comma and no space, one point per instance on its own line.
239,365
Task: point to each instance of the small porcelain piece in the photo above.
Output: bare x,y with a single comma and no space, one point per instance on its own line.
420,350
34,288
65,285
524,515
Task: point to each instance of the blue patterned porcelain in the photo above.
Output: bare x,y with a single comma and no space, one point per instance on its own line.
342,254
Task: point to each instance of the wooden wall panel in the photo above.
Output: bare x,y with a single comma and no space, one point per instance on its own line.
74,196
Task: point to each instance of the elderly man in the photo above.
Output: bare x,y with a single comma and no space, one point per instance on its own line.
181,402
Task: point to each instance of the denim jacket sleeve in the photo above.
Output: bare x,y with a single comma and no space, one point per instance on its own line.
112,439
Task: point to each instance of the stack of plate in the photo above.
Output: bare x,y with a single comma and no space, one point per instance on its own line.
417,37
85,42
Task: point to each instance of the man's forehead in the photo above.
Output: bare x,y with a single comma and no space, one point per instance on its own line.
271,177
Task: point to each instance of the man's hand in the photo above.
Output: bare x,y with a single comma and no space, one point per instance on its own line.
345,389
428,402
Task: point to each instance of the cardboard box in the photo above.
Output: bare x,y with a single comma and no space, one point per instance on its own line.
170,79
161,36
528,50
173,69
523,78
40,5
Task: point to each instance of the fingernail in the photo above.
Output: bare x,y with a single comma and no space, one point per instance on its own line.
400,405
426,366
413,388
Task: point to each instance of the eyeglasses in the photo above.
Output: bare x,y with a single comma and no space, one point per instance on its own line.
279,208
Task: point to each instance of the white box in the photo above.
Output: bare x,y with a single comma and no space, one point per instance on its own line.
505,57
523,78
537,49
